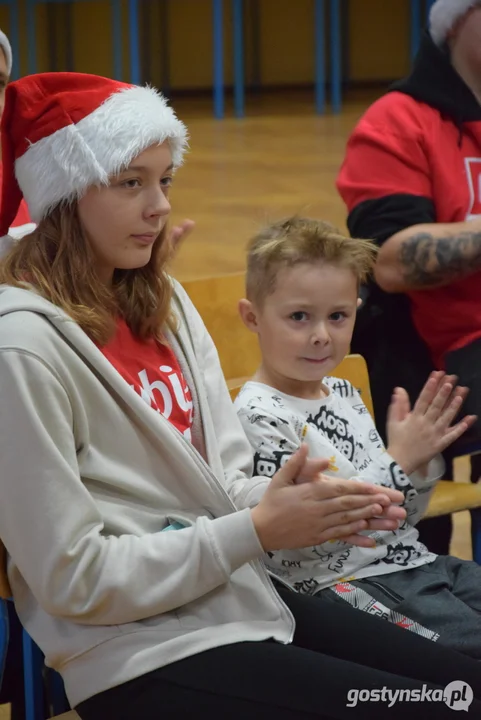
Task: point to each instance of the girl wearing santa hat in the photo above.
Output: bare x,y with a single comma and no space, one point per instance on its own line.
133,533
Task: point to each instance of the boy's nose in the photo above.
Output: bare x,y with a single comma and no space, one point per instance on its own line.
321,335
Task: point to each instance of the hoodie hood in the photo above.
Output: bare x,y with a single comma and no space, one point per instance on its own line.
434,81
15,299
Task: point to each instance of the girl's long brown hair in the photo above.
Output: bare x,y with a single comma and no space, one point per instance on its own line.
58,261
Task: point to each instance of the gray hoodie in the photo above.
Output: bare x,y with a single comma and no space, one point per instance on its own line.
90,476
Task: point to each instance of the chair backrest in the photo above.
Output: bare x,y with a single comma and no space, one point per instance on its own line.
216,299
354,369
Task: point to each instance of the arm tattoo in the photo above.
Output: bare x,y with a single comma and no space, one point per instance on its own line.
428,261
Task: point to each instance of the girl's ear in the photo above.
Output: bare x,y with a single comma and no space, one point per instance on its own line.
248,314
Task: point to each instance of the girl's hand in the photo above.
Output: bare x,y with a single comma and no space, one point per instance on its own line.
297,515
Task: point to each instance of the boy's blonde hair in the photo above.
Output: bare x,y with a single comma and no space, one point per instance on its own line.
302,240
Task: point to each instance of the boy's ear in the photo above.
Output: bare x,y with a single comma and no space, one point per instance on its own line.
248,315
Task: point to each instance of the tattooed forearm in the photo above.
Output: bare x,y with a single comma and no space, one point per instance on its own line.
429,261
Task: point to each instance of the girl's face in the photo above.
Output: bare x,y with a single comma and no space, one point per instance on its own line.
123,220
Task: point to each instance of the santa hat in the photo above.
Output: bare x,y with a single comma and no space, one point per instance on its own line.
7,49
64,132
444,15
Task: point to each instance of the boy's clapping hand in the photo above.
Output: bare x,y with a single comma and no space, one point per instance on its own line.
416,436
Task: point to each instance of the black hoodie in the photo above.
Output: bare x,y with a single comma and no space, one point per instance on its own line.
415,157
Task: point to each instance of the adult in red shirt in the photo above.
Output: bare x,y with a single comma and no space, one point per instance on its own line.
411,180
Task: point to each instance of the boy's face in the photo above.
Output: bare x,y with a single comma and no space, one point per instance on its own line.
305,326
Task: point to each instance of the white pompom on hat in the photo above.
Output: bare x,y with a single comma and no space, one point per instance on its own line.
444,15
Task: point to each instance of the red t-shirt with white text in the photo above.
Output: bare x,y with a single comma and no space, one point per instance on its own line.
152,370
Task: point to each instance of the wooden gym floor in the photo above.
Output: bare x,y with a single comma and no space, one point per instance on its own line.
240,174
281,159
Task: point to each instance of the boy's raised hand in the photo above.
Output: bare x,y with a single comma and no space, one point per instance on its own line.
416,436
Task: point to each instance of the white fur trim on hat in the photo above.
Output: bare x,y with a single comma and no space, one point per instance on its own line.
7,49
444,14
19,231
63,165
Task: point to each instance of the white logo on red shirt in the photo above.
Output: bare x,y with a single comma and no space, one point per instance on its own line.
473,173
172,395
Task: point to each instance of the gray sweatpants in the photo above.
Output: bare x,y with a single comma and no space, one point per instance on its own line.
441,601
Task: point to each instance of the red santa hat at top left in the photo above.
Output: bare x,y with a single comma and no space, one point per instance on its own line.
63,132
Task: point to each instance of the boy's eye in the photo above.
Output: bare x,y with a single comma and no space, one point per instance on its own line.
338,316
299,316
166,182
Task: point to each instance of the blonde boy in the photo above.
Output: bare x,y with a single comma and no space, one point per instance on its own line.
303,279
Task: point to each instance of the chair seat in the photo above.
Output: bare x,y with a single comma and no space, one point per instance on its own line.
71,715
451,497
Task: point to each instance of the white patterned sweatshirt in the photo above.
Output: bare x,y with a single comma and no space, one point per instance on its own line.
338,427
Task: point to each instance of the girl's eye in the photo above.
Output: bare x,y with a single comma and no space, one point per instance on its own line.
299,316
338,316
166,182
132,183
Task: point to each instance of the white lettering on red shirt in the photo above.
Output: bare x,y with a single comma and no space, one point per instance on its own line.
152,370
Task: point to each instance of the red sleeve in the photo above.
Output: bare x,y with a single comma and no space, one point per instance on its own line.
385,154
